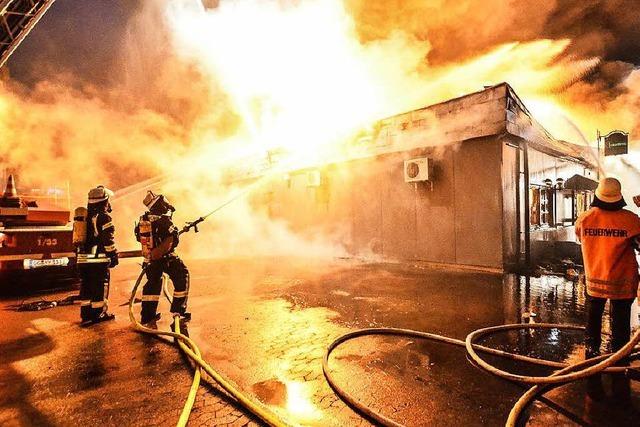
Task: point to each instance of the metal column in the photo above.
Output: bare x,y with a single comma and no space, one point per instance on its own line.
17,19
527,207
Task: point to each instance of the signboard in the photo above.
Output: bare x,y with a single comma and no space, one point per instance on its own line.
616,143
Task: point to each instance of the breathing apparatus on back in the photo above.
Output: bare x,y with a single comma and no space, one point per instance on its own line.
79,226
97,201
158,206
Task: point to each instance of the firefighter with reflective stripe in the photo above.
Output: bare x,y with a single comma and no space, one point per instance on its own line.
96,254
159,238
608,235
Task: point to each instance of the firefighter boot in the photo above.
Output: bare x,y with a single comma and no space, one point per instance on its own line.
595,390
621,390
151,322
183,325
104,317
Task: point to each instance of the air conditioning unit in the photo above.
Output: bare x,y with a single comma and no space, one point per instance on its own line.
417,170
313,178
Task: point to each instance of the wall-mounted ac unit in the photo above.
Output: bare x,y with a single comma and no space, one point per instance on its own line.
313,178
417,170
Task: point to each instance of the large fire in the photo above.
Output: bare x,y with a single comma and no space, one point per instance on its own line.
295,76
300,78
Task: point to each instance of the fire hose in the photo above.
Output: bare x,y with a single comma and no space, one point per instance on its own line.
189,347
541,384
567,373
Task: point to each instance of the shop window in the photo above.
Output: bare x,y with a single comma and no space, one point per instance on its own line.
551,206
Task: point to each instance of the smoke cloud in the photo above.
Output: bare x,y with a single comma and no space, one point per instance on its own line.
119,92
603,94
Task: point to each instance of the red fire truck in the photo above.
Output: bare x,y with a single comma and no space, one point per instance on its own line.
35,235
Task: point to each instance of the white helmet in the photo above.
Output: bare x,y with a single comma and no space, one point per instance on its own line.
152,199
99,194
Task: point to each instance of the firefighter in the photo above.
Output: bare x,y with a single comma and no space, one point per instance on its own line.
159,238
96,255
608,234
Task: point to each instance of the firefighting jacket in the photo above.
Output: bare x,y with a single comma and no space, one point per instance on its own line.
100,243
161,228
610,264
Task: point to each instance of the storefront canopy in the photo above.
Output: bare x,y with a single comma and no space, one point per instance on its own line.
580,183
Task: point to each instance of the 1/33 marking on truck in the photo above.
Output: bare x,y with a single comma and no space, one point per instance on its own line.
47,241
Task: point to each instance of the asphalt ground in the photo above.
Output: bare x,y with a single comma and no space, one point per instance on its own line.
265,324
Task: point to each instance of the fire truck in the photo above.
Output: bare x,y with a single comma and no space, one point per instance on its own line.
35,236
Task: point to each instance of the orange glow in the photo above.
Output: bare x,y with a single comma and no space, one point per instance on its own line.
292,77
299,403
301,80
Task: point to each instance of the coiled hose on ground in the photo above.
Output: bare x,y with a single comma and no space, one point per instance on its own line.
566,374
189,347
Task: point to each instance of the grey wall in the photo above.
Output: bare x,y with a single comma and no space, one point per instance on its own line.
367,205
478,204
510,183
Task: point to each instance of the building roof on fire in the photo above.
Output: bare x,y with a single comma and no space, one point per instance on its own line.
495,110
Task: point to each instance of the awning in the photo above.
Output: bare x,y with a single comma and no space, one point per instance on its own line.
580,183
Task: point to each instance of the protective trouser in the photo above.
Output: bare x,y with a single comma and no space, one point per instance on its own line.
179,275
620,314
94,290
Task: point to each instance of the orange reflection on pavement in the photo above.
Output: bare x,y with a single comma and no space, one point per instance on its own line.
299,403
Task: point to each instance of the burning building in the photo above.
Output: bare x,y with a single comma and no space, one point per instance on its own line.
474,182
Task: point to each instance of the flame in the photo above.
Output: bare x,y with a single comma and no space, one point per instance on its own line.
300,78
294,76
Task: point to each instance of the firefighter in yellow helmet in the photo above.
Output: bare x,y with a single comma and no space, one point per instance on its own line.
159,238
608,235
96,255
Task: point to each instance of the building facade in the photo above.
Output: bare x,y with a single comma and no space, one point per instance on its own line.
457,183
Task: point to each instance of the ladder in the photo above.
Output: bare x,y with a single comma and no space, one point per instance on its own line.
17,19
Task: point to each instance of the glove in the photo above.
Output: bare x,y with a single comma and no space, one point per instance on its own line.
113,260
636,200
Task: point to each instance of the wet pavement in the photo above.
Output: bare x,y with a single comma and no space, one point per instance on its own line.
265,325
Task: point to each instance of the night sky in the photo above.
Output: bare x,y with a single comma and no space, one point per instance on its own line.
85,38
78,37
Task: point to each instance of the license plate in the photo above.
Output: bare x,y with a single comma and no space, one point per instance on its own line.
39,263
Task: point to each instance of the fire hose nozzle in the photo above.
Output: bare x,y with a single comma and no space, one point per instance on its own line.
193,224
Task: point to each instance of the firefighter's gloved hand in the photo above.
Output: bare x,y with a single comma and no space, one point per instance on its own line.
636,200
113,260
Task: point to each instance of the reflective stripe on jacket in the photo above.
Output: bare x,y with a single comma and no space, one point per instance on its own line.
610,264
100,238
92,259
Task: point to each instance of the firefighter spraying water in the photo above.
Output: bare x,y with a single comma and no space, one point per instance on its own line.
609,235
93,232
159,238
